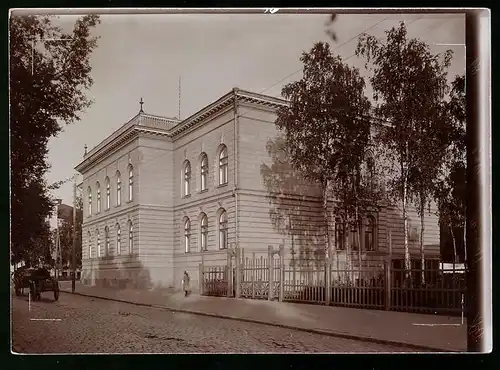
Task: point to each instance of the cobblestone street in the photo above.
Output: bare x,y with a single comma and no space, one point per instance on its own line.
77,324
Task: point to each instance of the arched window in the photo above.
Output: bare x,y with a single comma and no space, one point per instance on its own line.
223,230
223,165
118,188
118,240
353,237
187,178
369,234
130,237
89,240
370,166
187,234
340,234
203,232
89,192
108,193
98,243
204,171
98,186
106,236
130,182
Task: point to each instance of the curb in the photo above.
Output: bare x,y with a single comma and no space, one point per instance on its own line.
276,324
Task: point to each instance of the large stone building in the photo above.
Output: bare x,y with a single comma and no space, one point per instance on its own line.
160,194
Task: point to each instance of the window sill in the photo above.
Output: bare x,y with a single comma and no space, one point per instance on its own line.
186,196
203,191
222,185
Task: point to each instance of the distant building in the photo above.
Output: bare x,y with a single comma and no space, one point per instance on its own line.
162,194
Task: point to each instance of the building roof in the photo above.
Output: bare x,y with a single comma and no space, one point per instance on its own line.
171,127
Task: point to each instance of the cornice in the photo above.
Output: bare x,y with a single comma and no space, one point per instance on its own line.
144,123
208,111
103,151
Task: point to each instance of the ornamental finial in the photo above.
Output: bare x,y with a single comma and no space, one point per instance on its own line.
141,103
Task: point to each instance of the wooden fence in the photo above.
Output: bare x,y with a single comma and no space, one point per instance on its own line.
374,287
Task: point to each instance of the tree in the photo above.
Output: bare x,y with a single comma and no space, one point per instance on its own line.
431,140
66,228
407,83
450,191
326,124
48,80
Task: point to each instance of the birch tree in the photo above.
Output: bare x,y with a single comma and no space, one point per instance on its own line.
403,71
450,191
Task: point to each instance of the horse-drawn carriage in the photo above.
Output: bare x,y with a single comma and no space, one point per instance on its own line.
37,280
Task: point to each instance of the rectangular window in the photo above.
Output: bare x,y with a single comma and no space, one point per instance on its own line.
223,173
119,194
98,200
130,184
339,235
118,242
204,173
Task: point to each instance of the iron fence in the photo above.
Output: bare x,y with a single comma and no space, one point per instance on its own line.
440,291
374,286
304,285
255,278
214,281
358,287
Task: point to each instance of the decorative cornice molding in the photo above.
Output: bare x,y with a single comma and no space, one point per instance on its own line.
104,151
148,123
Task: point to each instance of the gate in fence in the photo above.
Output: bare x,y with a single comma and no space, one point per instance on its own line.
373,287
243,277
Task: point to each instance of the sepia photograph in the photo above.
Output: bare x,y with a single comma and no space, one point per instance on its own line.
249,181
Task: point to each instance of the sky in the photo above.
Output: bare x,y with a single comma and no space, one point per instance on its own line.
144,55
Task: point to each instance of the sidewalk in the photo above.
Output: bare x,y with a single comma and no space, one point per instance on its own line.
424,332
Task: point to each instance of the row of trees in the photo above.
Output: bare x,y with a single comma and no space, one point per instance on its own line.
49,76
419,142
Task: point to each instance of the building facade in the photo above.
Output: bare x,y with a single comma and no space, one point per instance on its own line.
161,195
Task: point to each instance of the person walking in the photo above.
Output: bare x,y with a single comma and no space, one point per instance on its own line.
185,284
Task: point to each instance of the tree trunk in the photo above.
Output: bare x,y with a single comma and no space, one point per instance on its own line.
358,237
328,242
348,264
422,229
356,219
465,242
405,232
335,247
454,245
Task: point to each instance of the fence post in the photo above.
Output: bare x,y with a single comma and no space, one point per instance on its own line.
282,272
328,281
270,294
238,273
387,284
201,279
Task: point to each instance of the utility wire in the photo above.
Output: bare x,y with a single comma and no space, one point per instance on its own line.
298,70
